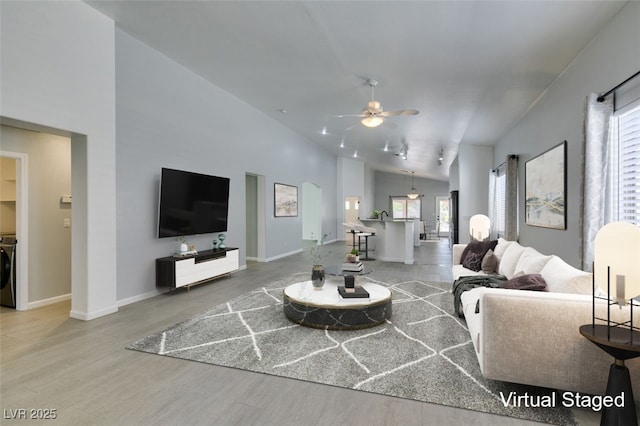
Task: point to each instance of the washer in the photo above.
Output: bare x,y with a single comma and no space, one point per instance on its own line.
8,271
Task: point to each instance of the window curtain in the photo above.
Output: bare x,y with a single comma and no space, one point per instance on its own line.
493,203
595,165
511,199
503,199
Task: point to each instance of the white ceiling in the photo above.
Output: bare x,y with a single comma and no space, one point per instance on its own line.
472,68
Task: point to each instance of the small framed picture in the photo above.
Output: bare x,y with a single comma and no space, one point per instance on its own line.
285,200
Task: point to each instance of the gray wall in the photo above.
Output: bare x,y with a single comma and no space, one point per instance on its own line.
474,164
58,71
169,117
611,57
49,177
392,184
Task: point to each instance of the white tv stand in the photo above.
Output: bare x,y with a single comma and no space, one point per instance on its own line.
176,272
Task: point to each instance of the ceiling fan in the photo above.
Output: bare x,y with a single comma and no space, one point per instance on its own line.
373,115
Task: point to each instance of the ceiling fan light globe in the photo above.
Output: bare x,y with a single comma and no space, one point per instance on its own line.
412,195
374,106
372,121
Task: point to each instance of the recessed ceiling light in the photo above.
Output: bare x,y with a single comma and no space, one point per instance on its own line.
324,130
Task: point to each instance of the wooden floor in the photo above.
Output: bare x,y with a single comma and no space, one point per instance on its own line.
82,371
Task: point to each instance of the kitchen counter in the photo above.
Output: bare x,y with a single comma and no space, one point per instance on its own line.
395,238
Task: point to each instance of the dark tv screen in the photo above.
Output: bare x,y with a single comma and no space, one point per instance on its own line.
192,203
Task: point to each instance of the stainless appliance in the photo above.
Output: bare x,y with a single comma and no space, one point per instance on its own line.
8,271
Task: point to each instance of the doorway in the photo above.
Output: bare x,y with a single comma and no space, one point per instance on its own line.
43,165
255,218
351,213
443,214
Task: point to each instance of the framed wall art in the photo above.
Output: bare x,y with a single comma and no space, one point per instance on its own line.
545,188
285,200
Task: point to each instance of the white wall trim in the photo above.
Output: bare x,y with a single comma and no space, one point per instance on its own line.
150,294
49,301
283,255
85,316
139,297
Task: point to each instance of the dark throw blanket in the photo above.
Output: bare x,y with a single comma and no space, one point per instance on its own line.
465,283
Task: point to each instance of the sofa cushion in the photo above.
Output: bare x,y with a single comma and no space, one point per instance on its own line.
564,278
531,261
533,282
509,259
474,253
490,263
501,247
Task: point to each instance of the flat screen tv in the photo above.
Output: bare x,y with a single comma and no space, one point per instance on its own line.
192,203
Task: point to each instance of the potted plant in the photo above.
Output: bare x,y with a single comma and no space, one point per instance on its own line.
375,214
317,269
353,256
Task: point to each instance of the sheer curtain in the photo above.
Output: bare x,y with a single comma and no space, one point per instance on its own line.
595,166
496,201
511,199
493,203
503,199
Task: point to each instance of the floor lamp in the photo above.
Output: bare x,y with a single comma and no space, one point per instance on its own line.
616,272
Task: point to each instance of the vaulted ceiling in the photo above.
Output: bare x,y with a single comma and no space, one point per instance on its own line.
472,68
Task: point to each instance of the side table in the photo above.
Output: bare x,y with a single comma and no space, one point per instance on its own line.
621,344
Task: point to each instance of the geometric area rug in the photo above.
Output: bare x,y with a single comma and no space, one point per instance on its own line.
422,353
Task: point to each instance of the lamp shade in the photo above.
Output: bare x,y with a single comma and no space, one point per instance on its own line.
617,249
479,227
412,195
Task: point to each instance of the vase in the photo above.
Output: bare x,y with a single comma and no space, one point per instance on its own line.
317,277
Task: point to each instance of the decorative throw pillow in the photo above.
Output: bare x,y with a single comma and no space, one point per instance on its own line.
489,262
474,253
533,282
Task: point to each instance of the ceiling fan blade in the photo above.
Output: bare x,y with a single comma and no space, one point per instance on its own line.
400,112
348,115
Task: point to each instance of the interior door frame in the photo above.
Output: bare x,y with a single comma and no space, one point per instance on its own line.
22,228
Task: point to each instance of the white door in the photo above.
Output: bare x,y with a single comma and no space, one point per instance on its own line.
443,215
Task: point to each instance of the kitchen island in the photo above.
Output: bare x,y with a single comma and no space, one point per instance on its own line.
395,238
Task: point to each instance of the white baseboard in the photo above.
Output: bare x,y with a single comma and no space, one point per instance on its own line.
138,298
280,256
88,316
49,301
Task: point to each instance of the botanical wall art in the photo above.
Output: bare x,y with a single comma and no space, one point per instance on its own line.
546,188
285,200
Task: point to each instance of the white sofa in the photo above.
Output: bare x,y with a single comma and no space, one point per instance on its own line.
532,337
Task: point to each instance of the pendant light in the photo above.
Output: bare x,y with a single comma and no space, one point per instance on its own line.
413,194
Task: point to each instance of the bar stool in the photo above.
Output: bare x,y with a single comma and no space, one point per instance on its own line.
351,227
365,232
